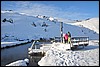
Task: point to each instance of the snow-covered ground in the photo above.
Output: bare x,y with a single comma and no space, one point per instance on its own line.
89,56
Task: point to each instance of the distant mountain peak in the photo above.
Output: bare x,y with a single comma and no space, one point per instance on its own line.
91,23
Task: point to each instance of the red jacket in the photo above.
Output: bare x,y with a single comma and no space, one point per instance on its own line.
66,36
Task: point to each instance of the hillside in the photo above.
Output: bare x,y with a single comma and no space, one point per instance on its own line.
19,26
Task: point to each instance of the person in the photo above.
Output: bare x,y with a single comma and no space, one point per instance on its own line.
65,38
69,37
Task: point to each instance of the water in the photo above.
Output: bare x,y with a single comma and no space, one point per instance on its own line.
13,54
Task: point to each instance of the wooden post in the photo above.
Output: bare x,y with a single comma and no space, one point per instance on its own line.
61,30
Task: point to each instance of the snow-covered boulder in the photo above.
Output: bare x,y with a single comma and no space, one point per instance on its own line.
51,19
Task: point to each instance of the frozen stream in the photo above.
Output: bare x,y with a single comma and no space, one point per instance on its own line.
9,55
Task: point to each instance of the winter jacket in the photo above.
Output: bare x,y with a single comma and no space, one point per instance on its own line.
69,34
66,36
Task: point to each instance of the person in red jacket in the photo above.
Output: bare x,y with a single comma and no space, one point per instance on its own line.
66,38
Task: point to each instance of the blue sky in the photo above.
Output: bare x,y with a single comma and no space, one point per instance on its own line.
62,9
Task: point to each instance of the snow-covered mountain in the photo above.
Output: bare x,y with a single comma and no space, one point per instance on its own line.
21,26
92,24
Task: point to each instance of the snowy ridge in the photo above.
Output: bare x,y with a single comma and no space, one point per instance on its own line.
7,11
14,12
92,24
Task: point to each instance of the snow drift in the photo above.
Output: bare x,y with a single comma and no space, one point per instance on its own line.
55,56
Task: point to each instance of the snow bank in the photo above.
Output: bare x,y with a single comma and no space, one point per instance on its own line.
89,56
19,63
5,44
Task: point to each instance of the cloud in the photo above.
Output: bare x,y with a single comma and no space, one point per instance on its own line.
37,8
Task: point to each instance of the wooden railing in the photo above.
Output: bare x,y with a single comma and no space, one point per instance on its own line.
76,41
